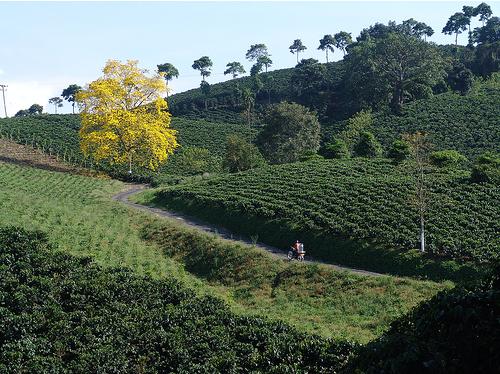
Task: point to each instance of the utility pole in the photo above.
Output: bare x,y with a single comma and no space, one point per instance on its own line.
4,86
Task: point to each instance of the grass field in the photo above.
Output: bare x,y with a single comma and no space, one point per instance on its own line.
80,218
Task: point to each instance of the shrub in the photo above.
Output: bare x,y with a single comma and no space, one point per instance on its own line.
336,148
487,169
399,151
290,132
194,160
367,146
447,158
241,155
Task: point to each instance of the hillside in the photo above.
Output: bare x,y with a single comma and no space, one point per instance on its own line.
343,210
469,124
58,135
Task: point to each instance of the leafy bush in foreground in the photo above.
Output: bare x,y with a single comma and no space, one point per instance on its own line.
60,313
457,331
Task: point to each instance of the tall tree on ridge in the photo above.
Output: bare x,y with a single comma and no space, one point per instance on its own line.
69,94
297,47
57,101
265,61
255,51
234,68
484,12
327,43
203,64
457,23
168,71
342,40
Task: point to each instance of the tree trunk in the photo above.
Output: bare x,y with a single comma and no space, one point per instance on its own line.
327,55
73,105
297,57
456,38
130,164
422,234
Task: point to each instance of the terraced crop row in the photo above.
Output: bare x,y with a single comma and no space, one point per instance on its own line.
360,200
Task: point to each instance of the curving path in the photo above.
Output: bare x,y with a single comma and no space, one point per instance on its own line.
132,189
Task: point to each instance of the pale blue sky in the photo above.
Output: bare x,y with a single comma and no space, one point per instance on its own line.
44,47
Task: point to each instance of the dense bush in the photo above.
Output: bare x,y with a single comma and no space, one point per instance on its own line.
447,158
399,151
457,331
367,146
65,314
241,155
291,131
336,148
487,168
194,160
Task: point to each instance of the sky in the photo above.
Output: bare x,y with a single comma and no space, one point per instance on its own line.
46,46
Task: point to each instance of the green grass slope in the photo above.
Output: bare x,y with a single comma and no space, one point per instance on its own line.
343,210
80,218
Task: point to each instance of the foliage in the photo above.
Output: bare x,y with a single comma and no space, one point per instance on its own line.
297,47
447,158
35,109
460,78
358,123
457,23
130,323
241,155
291,130
367,146
124,118
204,65
395,69
57,101
489,33
455,332
342,40
69,94
168,71
192,161
340,201
487,169
399,151
327,43
257,51
234,68
336,148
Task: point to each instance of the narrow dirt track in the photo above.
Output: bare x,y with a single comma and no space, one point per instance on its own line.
132,189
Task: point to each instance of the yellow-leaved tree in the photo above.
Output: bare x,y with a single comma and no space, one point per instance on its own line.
124,117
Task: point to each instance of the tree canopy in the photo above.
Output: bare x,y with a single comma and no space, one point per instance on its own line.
124,117
327,43
204,65
69,94
297,47
234,68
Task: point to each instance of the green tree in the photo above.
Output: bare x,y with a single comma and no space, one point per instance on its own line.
35,109
487,59
399,151
248,104
241,155
234,68
358,123
326,44
489,33
336,148
297,47
22,113
460,78
457,23
342,40
57,101
290,132
203,64
394,69
484,12
168,71
265,61
256,69
468,11
69,94
367,146
257,51
194,161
